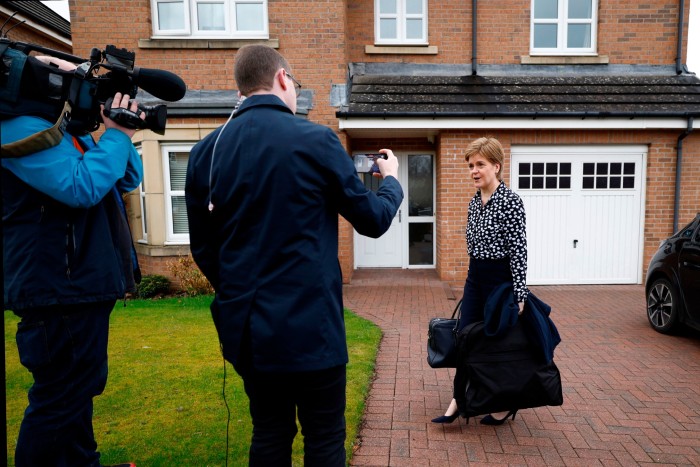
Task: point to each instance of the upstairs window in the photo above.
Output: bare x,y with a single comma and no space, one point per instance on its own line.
401,22
213,19
563,27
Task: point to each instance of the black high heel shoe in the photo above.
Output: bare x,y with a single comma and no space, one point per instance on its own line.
446,418
490,420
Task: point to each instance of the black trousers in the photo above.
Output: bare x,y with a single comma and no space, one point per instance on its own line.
65,349
317,397
483,277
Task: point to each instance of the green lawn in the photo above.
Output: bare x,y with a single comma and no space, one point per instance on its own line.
163,403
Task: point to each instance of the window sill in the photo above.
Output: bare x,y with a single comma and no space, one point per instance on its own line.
401,49
161,250
195,43
565,60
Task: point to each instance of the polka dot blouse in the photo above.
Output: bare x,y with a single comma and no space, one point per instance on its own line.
497,231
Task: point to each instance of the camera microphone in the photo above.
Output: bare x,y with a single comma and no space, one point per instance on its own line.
160,83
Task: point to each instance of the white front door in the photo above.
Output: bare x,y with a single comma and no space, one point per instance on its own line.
409,242
584,212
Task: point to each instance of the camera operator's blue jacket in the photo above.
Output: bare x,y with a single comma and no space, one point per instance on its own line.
270,245
66,237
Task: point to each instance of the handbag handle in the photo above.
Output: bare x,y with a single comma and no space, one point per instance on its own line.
458,307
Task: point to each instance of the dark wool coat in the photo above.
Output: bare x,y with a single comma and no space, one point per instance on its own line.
270,244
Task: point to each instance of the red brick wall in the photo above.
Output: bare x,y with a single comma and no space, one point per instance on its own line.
640,32
454,188
629,31
318,48
319,39
311,37
454,191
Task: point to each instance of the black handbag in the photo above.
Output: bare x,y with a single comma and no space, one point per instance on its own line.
442,340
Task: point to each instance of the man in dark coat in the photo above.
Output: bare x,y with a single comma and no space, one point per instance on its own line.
263,197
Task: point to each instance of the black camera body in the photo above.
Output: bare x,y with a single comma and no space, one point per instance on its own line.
31,87
93,90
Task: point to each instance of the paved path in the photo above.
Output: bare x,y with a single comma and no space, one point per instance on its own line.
631,395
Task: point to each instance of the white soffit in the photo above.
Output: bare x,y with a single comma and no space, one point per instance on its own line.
430,125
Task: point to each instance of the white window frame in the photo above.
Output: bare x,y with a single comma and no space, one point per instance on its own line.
142,202
562,22
190,29
170,236
401,18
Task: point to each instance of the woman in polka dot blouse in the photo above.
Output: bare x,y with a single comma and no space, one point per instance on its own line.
496,243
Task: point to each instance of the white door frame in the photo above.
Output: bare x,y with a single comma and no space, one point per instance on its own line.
401,221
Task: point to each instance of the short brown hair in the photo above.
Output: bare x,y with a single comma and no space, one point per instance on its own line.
256,66
490,149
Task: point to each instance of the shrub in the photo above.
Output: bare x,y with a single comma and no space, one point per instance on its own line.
152,285
191,278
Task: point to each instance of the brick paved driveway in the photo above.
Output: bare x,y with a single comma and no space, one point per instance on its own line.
631,395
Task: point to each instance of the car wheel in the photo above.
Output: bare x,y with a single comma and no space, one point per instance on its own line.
662,306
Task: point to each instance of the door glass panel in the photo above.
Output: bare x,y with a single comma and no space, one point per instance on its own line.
420,244
372,183
608,175
420,185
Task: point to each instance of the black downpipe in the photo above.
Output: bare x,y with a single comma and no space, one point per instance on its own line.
679,166
474,37
679,50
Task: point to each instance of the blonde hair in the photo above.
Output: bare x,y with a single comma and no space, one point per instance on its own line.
490,149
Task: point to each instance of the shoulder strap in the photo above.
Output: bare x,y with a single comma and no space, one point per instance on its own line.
45,139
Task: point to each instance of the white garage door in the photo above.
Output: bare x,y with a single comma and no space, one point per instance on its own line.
584,212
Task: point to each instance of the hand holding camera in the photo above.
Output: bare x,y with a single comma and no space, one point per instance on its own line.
123,114
381,164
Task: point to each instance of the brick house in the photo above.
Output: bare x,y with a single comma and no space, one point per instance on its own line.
34,22
590,98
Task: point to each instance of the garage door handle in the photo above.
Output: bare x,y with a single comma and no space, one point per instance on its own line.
575,243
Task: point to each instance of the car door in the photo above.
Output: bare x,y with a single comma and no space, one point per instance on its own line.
689,274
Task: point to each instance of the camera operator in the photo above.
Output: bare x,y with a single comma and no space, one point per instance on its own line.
68,256
263,208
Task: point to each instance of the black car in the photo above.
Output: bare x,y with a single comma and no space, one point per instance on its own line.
673,281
